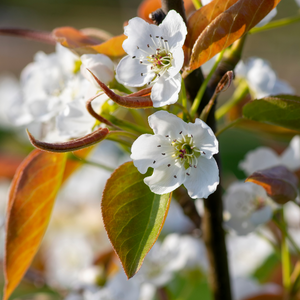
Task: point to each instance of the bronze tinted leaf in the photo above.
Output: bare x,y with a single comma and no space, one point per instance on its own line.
31,199
227,27
279,183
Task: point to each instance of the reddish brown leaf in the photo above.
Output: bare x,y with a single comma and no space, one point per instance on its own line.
201,19
149,6
225,27
112,48
41,36
266,297
31,199
73,145
9,165
80,43
279,183
140,99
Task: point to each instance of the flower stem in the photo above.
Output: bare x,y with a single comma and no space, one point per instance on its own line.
285,258
238,95
197,4
126,125
286,233
275,24
72,156
231,124
202,89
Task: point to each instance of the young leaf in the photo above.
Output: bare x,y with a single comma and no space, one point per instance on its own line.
281,110
279,183
227,27
31,199
81,44
133,216
201,19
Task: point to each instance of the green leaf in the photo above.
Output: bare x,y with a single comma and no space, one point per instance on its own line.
280,110
133,216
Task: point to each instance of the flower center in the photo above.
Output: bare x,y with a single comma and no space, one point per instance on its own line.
186,152
159,58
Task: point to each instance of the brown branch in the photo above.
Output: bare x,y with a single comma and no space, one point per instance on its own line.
178,5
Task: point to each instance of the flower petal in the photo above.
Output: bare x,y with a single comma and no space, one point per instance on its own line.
165,180
164,123
100,65
291,156
204,179
138,32
177,62
204,138
130,70
146,153
174,28
259,159
165,92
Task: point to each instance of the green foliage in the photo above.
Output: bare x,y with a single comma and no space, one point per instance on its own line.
133,216
281,110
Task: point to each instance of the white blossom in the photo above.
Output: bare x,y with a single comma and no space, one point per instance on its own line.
264,158
180,153
246,207
175,253
261,79
155,56
53,92
100,65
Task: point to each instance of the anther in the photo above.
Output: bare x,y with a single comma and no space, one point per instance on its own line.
141,61
150,35
142,74
175,176
169,165
154,161
188,174
149,83
157,36
167,135
159,146
133,56
161,37
163,153
195,166
166,41
180,132
137,47
148,45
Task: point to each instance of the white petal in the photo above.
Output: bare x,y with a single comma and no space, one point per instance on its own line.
204,179
240,226
204,137
177,62
174,29
129,72
259,159
298,2
74,120
138,32
100,65
261,216
282,87
165,92
165,180
164,123
145,152
291,156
